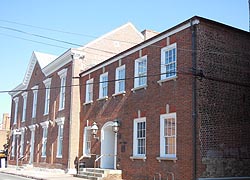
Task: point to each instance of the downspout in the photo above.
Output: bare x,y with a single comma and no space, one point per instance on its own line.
194,97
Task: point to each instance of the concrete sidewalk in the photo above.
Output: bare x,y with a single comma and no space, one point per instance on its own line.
39,173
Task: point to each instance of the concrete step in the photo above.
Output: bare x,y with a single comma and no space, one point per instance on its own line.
97,173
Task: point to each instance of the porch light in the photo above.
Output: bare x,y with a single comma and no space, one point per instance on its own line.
94,129
115,126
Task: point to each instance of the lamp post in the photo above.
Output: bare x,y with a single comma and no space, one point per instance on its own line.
115,128
94,129
17,132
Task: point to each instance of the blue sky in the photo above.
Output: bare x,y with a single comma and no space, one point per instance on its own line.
92,18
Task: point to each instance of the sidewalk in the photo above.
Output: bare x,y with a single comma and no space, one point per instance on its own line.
38,173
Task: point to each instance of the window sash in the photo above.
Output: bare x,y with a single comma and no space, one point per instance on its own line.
87,141
16,109
44,141
22,144
60,141
139,144
120,79
62,93
24,108
169,61
140,72
89,90
47,100
34,104
168,136
103,85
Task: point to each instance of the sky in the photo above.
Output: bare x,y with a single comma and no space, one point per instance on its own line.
84,20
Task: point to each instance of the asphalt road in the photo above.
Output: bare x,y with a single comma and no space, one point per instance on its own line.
11,177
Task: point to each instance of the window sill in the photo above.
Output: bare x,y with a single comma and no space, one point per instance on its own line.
60,109
43,156
140,87
167,79
86,103
138,158
119,93
103,98
167,159
59,156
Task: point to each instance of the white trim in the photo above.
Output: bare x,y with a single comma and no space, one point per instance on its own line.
87,128
136,72
62,73
141,46
117,80
44,124
89,84
101,82
60,121
135,142
163,117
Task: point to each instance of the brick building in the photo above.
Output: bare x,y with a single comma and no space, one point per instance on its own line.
180,100
46,105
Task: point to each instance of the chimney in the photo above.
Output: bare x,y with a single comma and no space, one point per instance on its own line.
148,34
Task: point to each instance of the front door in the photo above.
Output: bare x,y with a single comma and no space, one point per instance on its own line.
108,147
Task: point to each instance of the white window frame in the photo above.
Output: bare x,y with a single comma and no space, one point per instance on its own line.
89,90
140,76
63,77
34,106
136,154
47,83
166,74
60,123
87,141
163,153
45,126
24,106
120,79
103,86
16,109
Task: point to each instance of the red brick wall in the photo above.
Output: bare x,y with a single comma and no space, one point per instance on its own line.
37,78
152,103
224,100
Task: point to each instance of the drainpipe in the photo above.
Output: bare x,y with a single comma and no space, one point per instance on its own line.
194,97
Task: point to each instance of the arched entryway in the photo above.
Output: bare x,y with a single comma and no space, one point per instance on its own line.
108,146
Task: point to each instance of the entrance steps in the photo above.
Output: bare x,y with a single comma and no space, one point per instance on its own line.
99,174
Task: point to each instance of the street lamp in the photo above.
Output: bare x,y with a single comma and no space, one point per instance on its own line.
94,129
116,126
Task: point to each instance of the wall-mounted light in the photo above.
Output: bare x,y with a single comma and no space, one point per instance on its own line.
115,126
94,130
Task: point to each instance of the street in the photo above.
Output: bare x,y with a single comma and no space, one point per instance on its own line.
4,176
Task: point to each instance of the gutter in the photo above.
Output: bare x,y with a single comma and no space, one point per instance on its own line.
194,96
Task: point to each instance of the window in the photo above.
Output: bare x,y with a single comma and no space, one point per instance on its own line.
103,92
168,62
120,79
47,95
60,123
22,142
168,135
44,141
87,141
140,72
89,90
35,90
24,106
63,75
139,141
16,109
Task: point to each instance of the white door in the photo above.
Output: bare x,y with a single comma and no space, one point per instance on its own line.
107,146
32,142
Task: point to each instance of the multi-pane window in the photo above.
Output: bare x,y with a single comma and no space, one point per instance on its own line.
89,90
63,75
44,140
35,90
47,95
168,62
139,142
103,91
60,140
120,79
87,141
16,109
168,135
24,106
140,72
